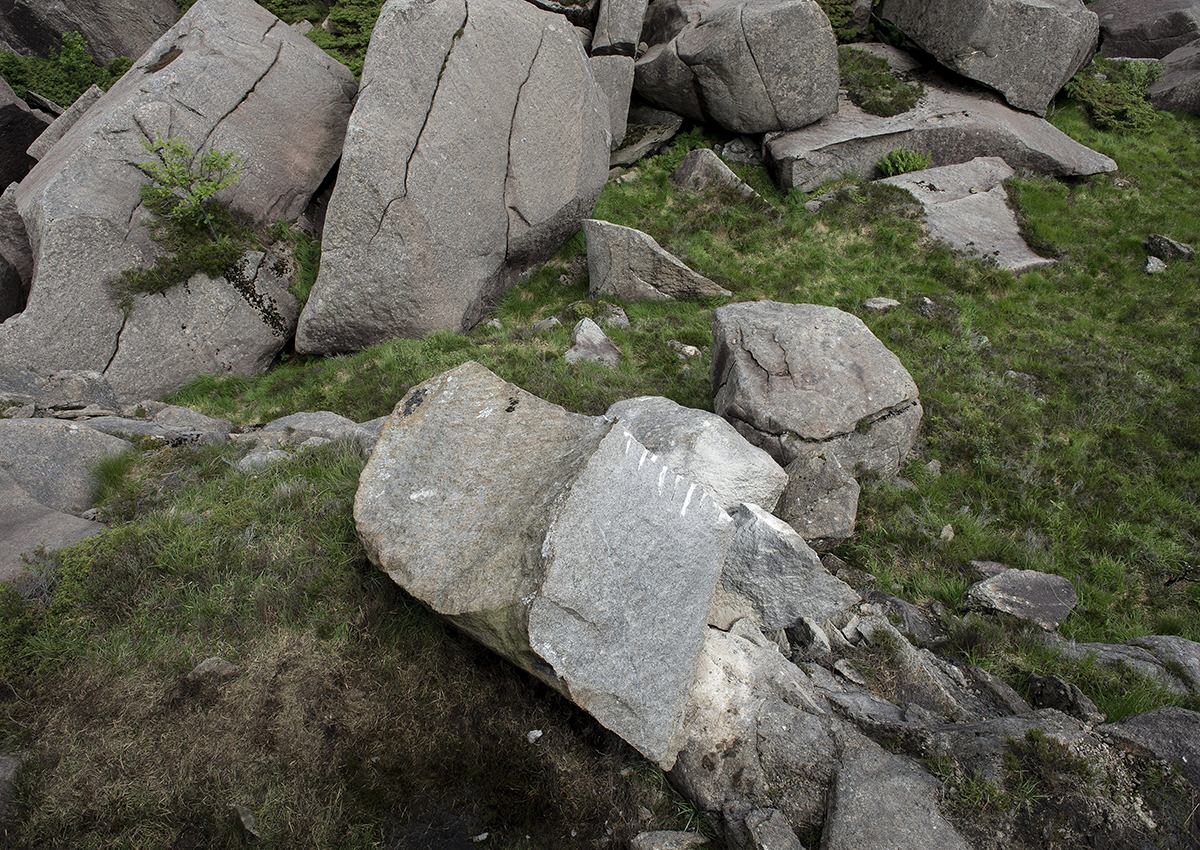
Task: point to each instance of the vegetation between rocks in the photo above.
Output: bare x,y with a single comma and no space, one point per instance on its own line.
1114,93
903,161
873,86
64,75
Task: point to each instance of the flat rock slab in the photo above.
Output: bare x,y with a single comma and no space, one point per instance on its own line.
1041,598
967,208
51,459
950,123
479,143
553,538
704,448
630,265
1178,90
1146,29
791,375
1171,734
1025,49
27,526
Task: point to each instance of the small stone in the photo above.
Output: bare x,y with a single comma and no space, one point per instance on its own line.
496,324
1166,248
876,305
685,352
532,735
546,324
246,824
592,345
1154,265
260,460
987,569
935,468
847,671
947,533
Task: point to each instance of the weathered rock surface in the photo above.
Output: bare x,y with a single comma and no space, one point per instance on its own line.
228,75
111,28
19,127
1172,660
1178,90
751,66
950,123
42,144
646,132
788,376
26,526
478,145
668,840
614,76
592,345
703,171
554,539
296,429
1171,734
51,460
704,448
1148,29
630,265
618,27
1042,598
820,500
1166,248
1025,49
966,207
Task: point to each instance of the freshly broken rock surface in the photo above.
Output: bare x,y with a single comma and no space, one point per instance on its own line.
630,265
479,143
966,207
949,122
790,376
228,75
555,539
1042,598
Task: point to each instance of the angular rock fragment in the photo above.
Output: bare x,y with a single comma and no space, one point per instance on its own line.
631,266
789,376
646,132
966,207
704,448
479,143
26,526
1148,29
1025,49
1042,598
42,144
702,170
614,76
1166,248
820,500
618,27
1178,90
553,538
592,345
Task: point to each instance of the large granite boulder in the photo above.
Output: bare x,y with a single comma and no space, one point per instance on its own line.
792,376
230,76
556,539
111,28
19,127
751,66
1025,49
1178,90
478,145
950,123
1146,29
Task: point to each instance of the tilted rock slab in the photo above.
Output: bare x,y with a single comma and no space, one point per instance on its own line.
967,208
229,75
111,28
27,525
618,27
479,143
629,264
51,460
949,123
752,66
555,539
1042,598
789,376
1178,90
1025,49
1147,29
50,136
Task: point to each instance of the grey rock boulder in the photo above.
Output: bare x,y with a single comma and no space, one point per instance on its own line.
630,265
16,256
618,27
950,123
27,526
788,376
1025,49
228,75
703,171
614,76
967,208
704,448
42,144
647,131
51,459
1178,89
1146,29
1165,658
19,128
751,66
820,500
295,429
478,145
1041,598
553,539
111,28
592,345
1171,734
1166,248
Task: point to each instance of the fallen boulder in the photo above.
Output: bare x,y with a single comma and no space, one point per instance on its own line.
618,27
1178,90
229,75
631,266
1041,598
478,145
790,376
1146,29
554,539
1025,49
111,28
820,500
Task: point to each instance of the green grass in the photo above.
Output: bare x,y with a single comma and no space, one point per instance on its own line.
873,86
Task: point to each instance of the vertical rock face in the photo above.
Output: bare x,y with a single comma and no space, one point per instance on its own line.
555,539
111,28
230,76
479,142
1025,49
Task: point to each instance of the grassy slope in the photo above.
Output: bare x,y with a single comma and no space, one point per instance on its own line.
1087,467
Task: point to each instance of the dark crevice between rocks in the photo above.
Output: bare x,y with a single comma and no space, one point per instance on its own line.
117,344
512,125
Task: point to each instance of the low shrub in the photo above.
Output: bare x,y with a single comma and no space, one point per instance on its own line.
1114,94
903,161
873,86
62,77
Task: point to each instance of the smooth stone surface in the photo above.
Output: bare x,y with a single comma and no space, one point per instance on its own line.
51,460
27,526
630,265
614,76
1146,28
1178,90
1041,598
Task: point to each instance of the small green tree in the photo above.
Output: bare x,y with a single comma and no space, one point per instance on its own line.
184,188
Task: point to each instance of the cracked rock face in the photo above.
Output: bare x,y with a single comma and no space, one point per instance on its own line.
752,66
479,143
228,75
555,539
794,377
1025,49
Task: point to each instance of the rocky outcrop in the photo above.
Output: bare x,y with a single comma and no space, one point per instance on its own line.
751,66
1178,90
967,208
949,123
553,538
1146,29
631,266
228,75
1025,49
791,377
111,28
27,526
478,145
1171,660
